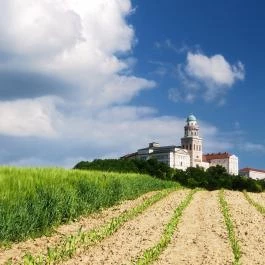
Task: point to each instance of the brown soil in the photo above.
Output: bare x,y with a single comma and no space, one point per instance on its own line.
133,237
250,228
201,236
258,197
38,245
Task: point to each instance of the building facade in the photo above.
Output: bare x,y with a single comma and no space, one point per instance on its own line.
174,156
228,161
252,173
189,154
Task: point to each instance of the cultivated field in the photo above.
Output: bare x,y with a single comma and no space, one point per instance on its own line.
172,225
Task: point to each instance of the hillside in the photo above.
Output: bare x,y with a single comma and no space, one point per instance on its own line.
33,201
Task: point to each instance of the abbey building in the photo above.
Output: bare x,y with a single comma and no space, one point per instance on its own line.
189,154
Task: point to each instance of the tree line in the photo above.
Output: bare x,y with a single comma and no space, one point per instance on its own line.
213,178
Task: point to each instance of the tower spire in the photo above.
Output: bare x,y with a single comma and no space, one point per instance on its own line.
191,140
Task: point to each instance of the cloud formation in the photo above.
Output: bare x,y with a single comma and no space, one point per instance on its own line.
74,41
27,117
66,82
252,147
210,77
214,72
68,49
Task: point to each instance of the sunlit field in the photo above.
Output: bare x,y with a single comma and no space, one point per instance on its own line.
32,200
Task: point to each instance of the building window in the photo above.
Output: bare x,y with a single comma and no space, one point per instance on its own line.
190,147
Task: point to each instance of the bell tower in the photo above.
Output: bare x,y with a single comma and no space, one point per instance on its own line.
192,142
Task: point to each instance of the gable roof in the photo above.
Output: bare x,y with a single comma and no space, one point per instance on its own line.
128,155
247,169
209,157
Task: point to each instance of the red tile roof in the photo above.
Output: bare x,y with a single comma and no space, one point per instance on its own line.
247,169
209,157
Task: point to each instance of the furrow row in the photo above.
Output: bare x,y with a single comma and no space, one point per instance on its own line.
133,237
92,221
169,227
200,237
230,228
77,243
153,253
249,226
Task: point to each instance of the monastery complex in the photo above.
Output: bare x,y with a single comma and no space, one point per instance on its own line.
189,153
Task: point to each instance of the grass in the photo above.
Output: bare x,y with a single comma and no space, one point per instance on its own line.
153,253
71,244
230,228
33,201
259,207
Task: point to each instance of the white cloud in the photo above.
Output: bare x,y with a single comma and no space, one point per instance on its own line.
214,72
124,129
252,147
215,69
206,77
34,28
78,42
30,117
168,44
120,89
75,41
177,95
48,26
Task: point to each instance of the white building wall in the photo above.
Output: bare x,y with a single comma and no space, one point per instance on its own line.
171,159
230,164
181,160
233,165
256,175
205,165
222,162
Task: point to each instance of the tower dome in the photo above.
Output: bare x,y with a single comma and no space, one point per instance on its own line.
191,117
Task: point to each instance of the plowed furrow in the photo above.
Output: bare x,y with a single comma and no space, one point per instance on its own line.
201,236
134,236
258,198
38,245
249,227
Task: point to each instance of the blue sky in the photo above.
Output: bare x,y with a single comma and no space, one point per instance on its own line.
82,80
